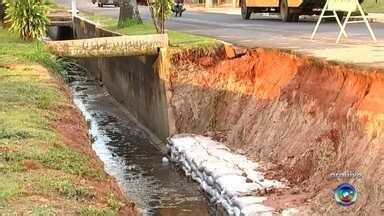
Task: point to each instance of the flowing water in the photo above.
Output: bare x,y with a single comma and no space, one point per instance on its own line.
130,156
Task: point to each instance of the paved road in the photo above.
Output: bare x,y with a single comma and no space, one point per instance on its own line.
269,31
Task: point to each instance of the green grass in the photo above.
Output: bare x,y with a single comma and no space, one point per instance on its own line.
42,210
178,40
9,188
30,102
27,52
372,7
64,187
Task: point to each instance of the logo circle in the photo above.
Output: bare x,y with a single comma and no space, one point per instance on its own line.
345,194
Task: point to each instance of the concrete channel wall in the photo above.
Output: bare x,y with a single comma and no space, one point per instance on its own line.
133,81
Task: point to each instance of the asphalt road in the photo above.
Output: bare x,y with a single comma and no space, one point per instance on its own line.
269,31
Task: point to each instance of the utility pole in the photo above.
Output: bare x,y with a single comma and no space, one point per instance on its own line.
234,3
74,8
208,3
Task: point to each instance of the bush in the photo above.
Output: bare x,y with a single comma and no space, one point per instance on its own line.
28,18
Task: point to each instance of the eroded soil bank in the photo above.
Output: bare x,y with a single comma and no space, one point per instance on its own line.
305,118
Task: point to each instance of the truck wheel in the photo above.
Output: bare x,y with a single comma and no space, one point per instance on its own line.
340,15
294,17
284,11
245,11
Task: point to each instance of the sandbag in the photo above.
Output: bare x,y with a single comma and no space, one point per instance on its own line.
229,179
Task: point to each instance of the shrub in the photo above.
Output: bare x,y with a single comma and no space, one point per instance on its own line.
28,18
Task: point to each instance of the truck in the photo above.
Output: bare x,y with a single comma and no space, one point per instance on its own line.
101,3
290,10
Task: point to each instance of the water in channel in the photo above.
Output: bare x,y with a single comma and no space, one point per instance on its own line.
129,156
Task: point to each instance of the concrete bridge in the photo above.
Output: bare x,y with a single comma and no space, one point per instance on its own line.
60,19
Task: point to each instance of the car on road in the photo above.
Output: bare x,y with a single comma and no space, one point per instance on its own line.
101,3
290,10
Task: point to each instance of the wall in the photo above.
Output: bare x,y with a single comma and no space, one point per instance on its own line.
133,81
60,32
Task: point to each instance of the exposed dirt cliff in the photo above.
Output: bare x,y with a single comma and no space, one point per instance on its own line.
310,118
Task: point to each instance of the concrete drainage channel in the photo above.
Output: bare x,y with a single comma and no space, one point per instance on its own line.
307,116
233,184
230,181
132,158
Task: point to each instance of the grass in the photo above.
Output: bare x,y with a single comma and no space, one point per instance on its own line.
27,52
39,174
374,6
64,187
178,40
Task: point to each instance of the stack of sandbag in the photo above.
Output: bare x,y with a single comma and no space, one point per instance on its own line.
230,179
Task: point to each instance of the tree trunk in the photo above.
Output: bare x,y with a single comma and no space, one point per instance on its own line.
2,11
109,46
153,16
129,11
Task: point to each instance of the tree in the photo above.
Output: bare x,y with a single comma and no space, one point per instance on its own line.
28,18
160,10
129,12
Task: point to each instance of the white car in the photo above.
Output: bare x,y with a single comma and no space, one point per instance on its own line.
101,3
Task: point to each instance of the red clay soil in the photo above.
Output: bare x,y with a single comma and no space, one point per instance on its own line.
72,127
309,118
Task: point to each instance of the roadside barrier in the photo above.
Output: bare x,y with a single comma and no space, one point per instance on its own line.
347,6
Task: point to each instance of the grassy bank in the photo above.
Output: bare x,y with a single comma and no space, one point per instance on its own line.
374,6
47,165
178,40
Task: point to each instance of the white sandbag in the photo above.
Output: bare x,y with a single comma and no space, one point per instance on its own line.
228,178
257,210
254,175
227,207
230,182
219,168
236,211
272,184
245,189
209,179
200,161
290,212
242,202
